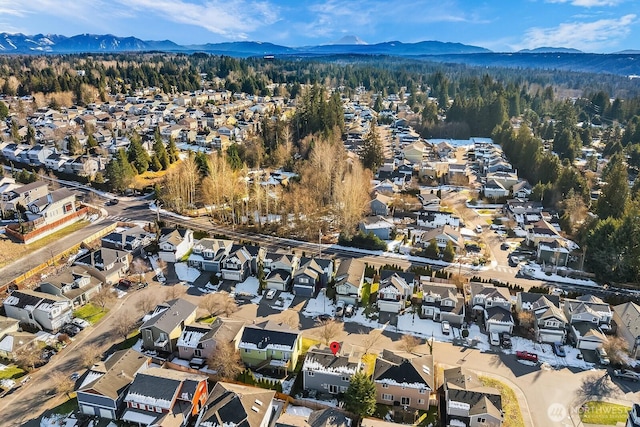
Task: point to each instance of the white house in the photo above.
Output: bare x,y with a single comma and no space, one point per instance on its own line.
393,293
174,244
43,311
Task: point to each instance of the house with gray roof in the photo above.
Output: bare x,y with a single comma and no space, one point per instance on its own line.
162,329
404,380
326,372
442,301
75,284
468,402
104,386
131,239
164,397
40,310
207,254
312,275
269,344
550,321
108,265
241,262
174,243
349,280
199,340
237,405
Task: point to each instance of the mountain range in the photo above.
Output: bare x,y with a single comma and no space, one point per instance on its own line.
623,63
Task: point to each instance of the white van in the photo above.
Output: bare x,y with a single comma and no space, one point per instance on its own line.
479,229
494,338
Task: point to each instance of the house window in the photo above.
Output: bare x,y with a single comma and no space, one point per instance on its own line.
420,401
481,420
385,385
143,407
197,352
333,389
310,373
246,350
387,396
133,404
345,379
423,391
343,389
158,409
405,400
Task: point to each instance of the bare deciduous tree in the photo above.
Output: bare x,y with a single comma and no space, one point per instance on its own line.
147,302
226,361
371,339
220,303
408,343
526,319
103,296
329,330
290,318
617,349
139,267
175,291
62,383
28,357
90,355
124,323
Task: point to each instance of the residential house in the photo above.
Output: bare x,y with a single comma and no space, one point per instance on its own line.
40,310
349,279
458,173
162,328
586,336
626,317
442,235
522,190
163,397
378,226
442,301
24,195
207,254
237,405
105,384
405,381
52,207
493,189
435,219
241,262
467,402
415,152
311,275
77,285
588,308
108,265
327,372
174,243
541,231
12,340
37,155
380,205
280,261
506,179
494,305
270,345
549,320
278,279
394,293
444,149
131,239
199,340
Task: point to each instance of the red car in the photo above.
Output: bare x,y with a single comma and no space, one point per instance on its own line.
525,355
124,283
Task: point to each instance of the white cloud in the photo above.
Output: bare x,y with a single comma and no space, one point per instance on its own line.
589,3
588,36
232,19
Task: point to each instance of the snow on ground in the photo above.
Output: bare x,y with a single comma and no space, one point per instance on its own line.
287,385
186,273
332,402
535,271
360,318
283,301
299,410
546,356
318,305
249,286
138,346
156,269
427,328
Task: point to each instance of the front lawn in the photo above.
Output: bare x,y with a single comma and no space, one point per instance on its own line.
67,407
11,372
603,413
308,343
510,406
207,319
130,341
91,313
369,361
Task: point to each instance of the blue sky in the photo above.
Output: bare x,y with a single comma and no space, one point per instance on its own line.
499,25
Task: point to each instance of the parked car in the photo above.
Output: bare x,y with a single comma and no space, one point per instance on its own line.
112,202
74,376
446,327
514,261
478,229
505,340
504,246
494,338
349,310
526,355
80,323
626,374
142,285
323,318
340,308
70,329
124,283
603,357
558,349
270,294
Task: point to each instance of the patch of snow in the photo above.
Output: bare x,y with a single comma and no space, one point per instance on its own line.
299,410
287,385
186,273
535,271
318,305
546,356
283,301
249,286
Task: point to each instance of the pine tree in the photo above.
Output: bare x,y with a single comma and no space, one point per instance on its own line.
138,155
172,151
615,193
161,152
360,397
73,146
449,252
371,152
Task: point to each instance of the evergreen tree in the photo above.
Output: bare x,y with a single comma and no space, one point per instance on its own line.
371,152
172,151
73,146
31,135
120,172
615,191
160,151
432,251
4,110
360,397
137,155
449,252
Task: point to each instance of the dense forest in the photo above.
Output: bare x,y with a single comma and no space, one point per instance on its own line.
542,119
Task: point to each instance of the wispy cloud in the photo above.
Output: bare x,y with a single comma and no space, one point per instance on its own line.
232,19
589,36
589,3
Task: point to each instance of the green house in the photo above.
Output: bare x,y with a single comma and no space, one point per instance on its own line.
270,345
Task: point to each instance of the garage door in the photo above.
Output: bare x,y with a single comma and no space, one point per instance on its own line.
105,413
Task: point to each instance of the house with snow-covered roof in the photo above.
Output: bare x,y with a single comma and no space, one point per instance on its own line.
162,327
199,340
269,344
326,372
405,380
393,293
237,405
468,403
159,397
